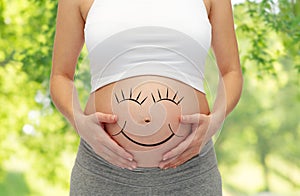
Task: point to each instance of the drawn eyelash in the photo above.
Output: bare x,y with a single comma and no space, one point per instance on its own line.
130,97
166,97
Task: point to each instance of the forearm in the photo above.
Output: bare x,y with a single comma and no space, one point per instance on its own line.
64,95
233,82
229,92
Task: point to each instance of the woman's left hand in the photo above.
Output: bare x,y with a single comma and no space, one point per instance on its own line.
203,128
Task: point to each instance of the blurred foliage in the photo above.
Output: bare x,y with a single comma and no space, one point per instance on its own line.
265,126
34,137
38,146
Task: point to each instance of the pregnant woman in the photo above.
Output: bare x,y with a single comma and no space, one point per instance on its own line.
146,128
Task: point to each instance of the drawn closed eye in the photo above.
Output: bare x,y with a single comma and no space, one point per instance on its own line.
136,100
160,98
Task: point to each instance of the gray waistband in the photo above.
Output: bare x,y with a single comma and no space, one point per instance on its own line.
95,165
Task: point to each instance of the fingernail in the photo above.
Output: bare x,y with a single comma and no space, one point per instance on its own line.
165,158
130,159
129,168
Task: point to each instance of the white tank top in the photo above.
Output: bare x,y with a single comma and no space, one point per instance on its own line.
129,38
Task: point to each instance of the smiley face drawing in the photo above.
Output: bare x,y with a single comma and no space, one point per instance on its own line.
148,119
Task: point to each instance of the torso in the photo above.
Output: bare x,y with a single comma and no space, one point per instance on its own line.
148,124
86,5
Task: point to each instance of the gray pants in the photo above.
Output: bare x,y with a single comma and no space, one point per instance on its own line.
92,175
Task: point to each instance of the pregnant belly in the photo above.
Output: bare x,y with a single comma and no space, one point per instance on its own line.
148,110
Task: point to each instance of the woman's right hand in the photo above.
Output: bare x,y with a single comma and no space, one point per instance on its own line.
91,129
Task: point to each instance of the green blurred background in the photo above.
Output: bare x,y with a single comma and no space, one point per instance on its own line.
258,149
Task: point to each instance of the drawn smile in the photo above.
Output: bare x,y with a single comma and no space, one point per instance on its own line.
147,145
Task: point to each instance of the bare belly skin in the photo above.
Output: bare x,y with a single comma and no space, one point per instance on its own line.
148,110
